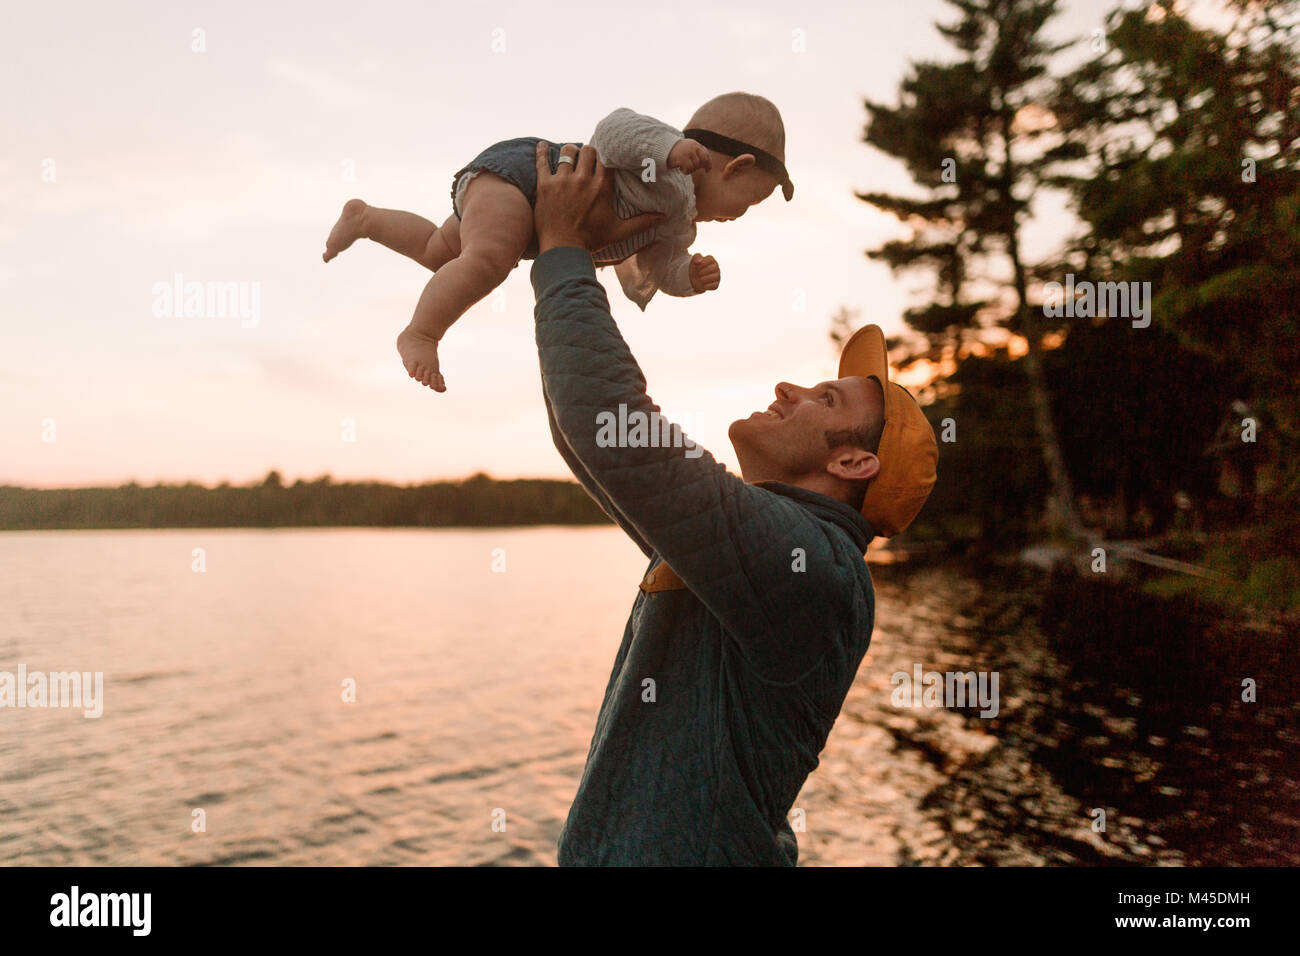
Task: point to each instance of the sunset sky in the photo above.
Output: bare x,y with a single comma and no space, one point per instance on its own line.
130,158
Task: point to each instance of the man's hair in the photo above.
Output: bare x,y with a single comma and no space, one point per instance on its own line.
865,436
744,116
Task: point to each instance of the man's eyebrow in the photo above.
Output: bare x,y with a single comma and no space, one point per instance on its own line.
839,392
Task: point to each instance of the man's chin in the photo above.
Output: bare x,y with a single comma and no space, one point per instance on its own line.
746,431
742,425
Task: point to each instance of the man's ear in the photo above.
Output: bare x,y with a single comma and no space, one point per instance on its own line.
853,464
738,165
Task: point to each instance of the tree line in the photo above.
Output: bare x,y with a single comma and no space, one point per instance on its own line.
478,501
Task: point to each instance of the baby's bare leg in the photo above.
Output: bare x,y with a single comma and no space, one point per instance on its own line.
494,233
404,232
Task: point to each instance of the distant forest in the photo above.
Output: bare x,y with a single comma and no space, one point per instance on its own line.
478,501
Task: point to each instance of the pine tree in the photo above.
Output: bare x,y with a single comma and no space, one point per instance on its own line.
1193,184
977,136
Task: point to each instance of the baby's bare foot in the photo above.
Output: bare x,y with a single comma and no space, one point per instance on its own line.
420,356
347,230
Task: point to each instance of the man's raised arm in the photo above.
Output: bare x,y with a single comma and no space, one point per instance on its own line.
729,541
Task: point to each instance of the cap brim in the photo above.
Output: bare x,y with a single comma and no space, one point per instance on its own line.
865,355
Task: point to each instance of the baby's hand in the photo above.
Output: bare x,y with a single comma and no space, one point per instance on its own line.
705,274
688,156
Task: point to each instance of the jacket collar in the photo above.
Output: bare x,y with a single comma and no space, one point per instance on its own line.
828,509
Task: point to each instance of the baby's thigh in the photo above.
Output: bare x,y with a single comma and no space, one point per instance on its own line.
496,218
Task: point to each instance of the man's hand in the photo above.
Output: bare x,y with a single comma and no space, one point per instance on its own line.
705,274
575,204
688,156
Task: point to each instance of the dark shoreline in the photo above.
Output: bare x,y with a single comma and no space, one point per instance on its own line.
475,502
1131,703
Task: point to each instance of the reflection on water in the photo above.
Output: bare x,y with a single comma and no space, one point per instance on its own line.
478,690
1117,708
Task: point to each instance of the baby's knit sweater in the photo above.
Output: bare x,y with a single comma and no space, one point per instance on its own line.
635,149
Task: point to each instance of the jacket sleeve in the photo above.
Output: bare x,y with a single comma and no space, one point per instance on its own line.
625,140
735,546
584,478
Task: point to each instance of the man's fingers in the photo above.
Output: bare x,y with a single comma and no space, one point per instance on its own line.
544,160
582,196
589,165
587,161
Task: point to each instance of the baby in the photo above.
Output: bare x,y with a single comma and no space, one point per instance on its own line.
730,156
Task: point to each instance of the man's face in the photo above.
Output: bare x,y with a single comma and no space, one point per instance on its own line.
787,441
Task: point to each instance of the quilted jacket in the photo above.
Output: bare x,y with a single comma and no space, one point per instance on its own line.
725,687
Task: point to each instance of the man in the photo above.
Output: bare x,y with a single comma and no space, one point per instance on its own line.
757,607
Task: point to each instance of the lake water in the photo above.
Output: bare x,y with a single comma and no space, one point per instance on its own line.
476,691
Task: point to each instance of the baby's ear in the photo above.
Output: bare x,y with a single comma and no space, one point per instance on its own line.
740,163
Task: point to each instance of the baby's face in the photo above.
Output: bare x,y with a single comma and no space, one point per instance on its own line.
726,191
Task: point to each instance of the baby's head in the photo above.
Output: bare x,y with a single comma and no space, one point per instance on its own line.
746,139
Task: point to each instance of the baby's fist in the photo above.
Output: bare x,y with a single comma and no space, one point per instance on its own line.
705,274
688,156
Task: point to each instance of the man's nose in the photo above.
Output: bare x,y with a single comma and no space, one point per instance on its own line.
787,392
